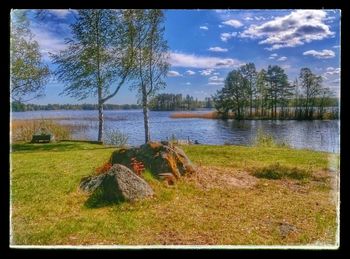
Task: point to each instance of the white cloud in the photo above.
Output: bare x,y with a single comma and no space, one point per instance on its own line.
220,26
282,59
258,18
173,73
226,36
188,83
332,71
273,56
206,72
233,23
48,42
218,49
190,72
294,29
336,47
215,80
195,61
62,13
248,18
204,28
324,54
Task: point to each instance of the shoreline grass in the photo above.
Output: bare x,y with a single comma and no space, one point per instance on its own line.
23,130
222,204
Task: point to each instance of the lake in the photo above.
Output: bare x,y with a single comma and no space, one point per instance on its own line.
316,135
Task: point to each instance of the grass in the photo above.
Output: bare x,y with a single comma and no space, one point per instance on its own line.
276,171
223,204
23,130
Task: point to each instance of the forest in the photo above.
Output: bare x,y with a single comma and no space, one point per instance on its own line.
268,94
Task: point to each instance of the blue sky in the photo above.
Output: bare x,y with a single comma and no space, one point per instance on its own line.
205,45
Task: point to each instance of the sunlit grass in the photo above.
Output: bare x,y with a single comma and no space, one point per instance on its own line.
49,209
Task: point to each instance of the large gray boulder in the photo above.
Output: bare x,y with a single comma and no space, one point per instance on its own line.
117,184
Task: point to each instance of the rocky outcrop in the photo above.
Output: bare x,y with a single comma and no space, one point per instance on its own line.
161,158
117,184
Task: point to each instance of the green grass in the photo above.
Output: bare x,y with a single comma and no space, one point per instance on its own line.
49,209
276,171
246,156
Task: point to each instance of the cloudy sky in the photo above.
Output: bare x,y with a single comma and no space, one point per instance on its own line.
205,45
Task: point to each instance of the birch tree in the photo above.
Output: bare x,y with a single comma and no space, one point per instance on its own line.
150,49
98,59
28,73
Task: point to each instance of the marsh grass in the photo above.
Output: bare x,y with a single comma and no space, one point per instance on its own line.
23,130
189,115
277,171
264,139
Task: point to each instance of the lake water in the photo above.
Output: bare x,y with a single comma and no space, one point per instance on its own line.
316,135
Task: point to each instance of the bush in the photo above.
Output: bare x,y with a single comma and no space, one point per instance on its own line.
264,139
276,171
116,138
104,168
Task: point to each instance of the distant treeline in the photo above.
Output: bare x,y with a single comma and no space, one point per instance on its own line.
268,94
21,107
177,102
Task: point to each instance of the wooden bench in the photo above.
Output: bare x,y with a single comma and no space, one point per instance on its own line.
41,138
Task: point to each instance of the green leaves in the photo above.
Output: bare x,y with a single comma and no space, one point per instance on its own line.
28,72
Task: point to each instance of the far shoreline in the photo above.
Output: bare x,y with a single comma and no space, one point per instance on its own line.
216,116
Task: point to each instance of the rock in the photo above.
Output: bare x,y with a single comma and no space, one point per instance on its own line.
158,157
119,183
91,183
168,177
286,229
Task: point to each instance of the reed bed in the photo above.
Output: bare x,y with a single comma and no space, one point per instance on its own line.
208,115
23,130
84,118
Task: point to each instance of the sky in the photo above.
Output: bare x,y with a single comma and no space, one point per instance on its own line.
204,45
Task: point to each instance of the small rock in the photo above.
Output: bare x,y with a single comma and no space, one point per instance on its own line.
285,229
168,177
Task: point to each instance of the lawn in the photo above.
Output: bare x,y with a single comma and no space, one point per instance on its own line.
222,204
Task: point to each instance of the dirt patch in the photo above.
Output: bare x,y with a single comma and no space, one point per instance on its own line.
295,186
217,177
171,237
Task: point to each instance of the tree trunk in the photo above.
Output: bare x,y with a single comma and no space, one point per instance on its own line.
100,121
145,114
251,106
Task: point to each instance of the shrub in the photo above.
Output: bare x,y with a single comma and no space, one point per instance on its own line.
264,139
137,166
104,168
116,138
276,171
